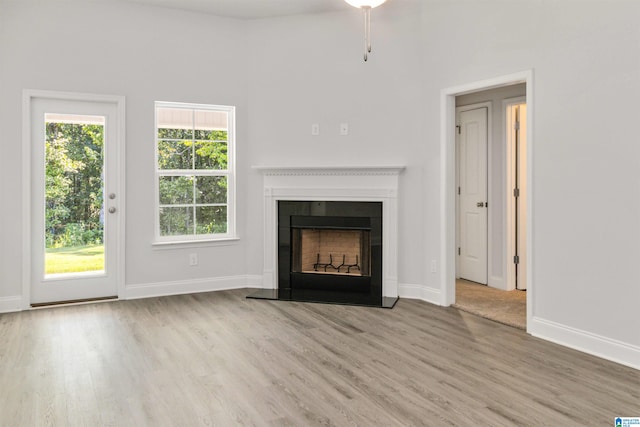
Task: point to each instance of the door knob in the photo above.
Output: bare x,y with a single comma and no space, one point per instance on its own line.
112,210
112,196
480,204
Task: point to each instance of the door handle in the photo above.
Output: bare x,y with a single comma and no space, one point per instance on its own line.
480,204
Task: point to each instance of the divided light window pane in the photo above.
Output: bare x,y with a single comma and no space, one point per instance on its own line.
193,169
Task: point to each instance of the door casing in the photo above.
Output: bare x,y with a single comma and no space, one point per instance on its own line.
447,182
28,97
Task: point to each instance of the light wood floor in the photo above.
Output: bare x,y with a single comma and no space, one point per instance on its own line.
220,359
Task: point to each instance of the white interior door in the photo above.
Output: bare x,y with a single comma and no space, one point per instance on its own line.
74,200
473,203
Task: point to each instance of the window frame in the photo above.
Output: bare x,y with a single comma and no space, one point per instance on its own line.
229,173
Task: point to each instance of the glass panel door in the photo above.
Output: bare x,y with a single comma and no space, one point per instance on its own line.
74,194
74,200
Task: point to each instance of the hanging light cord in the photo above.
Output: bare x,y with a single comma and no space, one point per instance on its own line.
367,31
366,6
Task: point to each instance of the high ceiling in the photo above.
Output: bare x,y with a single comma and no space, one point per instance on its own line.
251,9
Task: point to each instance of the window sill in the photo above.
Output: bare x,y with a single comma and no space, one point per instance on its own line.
226,241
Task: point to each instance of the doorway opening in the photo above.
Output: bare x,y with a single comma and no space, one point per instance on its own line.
483,239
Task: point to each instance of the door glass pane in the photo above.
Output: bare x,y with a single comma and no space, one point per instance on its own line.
74,194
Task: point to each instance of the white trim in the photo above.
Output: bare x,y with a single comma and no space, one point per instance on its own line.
122,187
421,292
190,105
509,208
180,287
587,342
496,282
10,304
447,197
447,179
195,243
229,173
328,170
27,95
338,194
119,101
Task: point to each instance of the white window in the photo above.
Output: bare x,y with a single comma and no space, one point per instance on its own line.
194,172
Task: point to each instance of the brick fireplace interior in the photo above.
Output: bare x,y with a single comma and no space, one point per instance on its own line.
330,251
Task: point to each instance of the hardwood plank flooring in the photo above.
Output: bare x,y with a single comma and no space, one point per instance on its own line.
220,359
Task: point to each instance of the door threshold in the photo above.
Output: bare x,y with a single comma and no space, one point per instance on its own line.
74,302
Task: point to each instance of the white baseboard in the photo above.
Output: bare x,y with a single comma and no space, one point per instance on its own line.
148,290
421,292
587,342
10,304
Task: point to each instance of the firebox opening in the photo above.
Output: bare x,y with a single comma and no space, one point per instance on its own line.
331,251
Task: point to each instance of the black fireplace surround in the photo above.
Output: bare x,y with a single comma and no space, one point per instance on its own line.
354,278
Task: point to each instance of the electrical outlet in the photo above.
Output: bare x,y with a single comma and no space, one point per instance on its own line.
193,259
344,128
315,129
434,266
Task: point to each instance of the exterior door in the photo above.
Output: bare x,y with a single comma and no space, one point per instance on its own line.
472,189
74,200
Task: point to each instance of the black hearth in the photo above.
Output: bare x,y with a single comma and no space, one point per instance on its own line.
329,252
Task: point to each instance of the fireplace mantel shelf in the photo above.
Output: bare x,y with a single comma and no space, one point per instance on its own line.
328,170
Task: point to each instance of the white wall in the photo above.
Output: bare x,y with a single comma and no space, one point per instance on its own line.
310,69
291,72
145,54
585,58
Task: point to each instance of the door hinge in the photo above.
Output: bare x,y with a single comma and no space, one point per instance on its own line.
516,125
516,259
516,192
459,129
458,251
458,190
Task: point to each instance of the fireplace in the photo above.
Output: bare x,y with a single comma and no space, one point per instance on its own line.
330,235
330,251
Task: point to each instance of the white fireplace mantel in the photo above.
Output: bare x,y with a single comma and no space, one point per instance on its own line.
333,183
329,170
